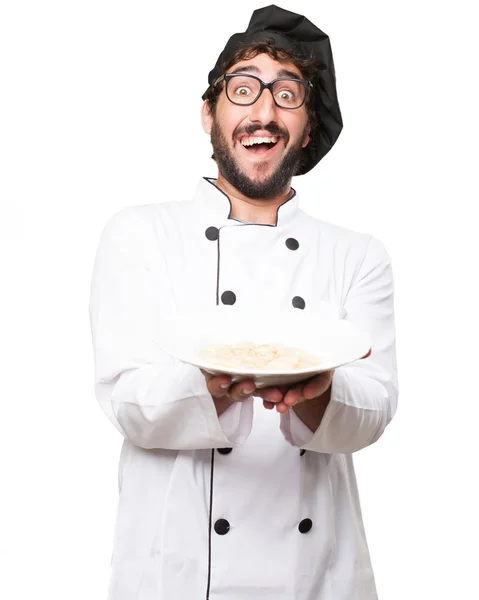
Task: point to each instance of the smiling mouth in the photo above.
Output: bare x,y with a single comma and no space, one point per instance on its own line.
260,145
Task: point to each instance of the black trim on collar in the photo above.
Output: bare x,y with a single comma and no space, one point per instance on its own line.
212,180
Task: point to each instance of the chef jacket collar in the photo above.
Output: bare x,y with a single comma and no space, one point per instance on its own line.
217,205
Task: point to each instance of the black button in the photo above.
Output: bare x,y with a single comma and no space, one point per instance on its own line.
292,244
222,526
305,525
302,452
228,297
224,450
212,233
298,302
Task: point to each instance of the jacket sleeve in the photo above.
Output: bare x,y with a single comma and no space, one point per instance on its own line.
154,400
364,393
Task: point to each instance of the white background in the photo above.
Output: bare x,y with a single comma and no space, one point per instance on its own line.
88,127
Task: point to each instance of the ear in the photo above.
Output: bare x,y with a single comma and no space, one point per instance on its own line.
307,139
206,117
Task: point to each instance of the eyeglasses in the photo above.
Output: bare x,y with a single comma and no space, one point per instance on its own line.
245,89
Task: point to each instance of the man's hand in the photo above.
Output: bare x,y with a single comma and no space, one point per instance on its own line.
285,397
309,399
316,391
225,393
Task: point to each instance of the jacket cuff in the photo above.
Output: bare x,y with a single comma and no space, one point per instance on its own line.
294,430
299,434
234,424
236,421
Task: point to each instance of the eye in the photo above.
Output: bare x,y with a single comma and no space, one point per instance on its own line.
286,95
242,90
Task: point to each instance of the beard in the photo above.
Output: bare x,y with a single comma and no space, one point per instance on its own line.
264,188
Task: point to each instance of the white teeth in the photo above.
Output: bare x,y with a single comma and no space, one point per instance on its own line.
250,141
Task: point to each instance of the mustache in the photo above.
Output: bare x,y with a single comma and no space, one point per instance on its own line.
270,128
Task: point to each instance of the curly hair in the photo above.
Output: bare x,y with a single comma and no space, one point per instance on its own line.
309,68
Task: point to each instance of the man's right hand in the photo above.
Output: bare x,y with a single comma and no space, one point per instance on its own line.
225,393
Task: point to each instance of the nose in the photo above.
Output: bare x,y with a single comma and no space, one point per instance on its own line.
264,109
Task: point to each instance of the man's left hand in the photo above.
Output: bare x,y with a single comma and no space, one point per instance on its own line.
285,397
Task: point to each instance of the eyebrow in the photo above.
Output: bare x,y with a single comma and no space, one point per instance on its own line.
253,69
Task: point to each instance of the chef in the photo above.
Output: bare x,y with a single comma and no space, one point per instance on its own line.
229,492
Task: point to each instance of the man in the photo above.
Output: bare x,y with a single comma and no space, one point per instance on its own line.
217,502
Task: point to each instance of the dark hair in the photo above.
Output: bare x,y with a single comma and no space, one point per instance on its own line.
309,67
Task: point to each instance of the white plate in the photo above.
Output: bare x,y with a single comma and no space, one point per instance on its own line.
335,342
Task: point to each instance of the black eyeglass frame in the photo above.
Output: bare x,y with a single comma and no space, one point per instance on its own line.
264,86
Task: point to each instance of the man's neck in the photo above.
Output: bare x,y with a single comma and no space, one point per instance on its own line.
248,209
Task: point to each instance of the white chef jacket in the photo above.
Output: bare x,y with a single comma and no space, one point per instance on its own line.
251,504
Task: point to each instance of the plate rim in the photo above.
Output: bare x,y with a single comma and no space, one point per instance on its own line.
191,358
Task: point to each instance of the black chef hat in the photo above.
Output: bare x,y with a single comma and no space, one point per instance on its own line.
292,31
